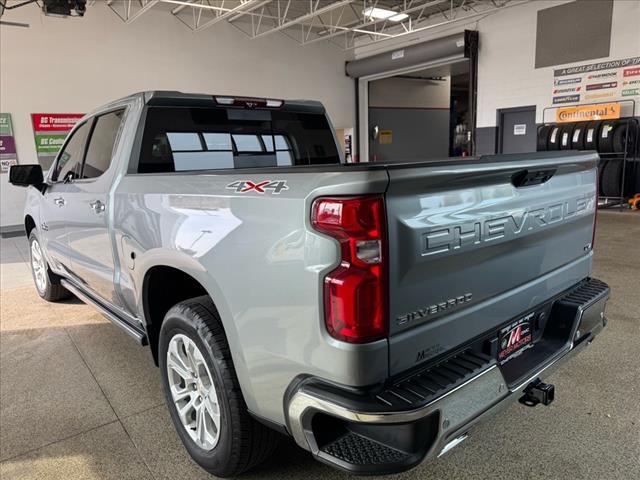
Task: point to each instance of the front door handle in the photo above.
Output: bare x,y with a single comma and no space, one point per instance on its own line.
59,201
97,206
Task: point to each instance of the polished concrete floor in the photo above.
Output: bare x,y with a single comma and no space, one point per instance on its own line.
80,400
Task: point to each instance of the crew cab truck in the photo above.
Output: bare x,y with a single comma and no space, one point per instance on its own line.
373,312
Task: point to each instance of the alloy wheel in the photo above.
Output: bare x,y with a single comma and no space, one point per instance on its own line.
193,391
39,266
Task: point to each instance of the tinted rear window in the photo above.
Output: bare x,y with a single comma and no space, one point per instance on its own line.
182,138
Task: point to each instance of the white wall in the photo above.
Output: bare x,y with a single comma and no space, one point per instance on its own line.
506,73
76,64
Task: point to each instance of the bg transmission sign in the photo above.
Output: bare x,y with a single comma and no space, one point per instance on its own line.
50,131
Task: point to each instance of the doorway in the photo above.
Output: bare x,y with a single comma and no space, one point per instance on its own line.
420,115
417,102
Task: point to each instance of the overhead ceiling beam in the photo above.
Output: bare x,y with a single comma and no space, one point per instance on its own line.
182,4
304,18
253,8
181,7
363,25
128,17
232,12
146,7
476,13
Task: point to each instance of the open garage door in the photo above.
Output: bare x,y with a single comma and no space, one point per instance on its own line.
419,101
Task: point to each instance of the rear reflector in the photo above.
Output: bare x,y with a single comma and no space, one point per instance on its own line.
355,293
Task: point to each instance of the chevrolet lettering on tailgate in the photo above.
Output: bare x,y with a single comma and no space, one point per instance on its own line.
469,235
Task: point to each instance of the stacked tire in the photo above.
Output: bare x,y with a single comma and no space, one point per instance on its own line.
543,137
566,136
554,138
604,136
591,132
578,136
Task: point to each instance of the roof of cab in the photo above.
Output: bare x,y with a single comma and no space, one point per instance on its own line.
174,98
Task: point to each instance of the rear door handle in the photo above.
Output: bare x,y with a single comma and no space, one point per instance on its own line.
59,201
97,206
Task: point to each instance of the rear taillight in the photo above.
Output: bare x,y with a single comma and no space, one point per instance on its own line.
355,293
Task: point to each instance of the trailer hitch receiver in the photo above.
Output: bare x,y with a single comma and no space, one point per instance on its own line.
538,392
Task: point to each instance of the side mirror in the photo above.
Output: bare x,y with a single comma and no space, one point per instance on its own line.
25,175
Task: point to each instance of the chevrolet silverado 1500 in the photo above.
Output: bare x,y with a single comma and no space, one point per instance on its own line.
372,312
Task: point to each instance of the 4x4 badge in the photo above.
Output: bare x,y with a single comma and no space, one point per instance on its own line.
264,186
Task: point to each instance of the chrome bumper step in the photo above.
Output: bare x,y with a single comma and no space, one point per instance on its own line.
430,410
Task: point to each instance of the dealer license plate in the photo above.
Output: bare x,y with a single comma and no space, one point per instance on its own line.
515,337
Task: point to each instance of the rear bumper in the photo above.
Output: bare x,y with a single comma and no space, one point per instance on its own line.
425,413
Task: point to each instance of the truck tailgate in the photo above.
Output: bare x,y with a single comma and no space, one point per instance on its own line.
473,244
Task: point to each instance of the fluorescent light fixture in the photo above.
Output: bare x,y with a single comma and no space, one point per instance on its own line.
380,13
399,17
384,14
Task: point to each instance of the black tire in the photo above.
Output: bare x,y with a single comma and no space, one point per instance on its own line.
592,130
243,442
602,165
50,290
543,138
621,141
577,136
610,179
566,133
554,138
605,136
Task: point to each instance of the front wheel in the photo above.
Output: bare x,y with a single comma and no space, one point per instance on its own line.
47,284
203,394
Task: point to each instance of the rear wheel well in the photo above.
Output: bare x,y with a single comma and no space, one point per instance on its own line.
164,287
29,224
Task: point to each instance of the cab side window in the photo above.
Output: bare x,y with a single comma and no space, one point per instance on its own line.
102,143
70,160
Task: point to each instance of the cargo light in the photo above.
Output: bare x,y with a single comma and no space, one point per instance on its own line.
249,102
355,293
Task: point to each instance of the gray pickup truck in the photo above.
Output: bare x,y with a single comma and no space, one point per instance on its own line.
372,312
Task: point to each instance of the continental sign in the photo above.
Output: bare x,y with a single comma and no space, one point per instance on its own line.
606,111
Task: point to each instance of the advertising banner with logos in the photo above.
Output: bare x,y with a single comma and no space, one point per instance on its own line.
8,153
50,130
608,81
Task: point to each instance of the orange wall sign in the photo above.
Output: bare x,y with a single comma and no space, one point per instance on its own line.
604,111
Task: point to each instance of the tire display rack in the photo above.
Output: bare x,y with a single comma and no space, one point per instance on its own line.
617,143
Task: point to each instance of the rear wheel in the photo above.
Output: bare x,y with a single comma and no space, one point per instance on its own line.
203,394
47,283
